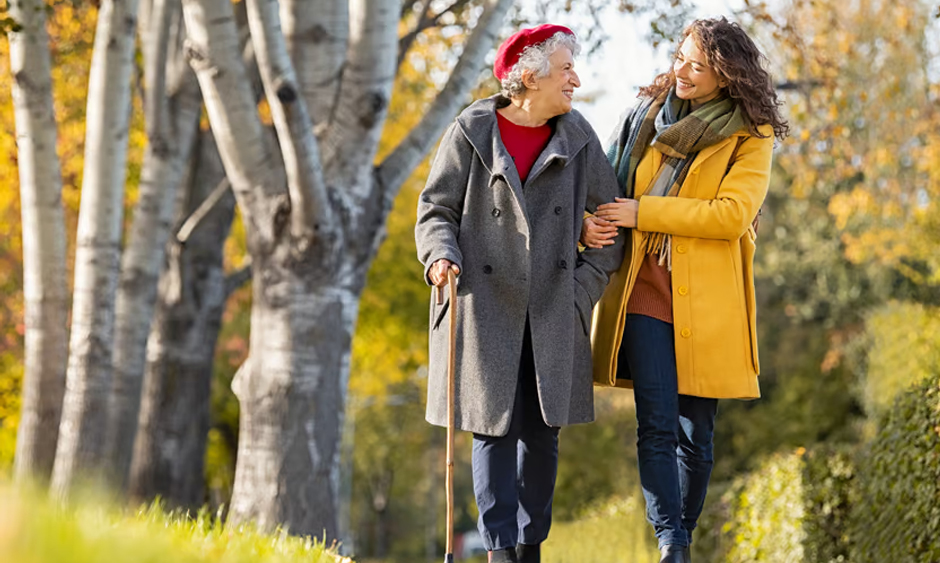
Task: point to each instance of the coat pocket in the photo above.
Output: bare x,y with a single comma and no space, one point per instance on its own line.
748,249
438,311
583,311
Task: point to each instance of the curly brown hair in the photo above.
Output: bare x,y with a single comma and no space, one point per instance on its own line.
733,55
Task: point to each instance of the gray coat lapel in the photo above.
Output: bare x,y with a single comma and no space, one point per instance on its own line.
480,126
478,123
567,140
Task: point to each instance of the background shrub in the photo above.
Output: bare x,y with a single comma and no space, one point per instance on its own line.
901,348
897,516
794,508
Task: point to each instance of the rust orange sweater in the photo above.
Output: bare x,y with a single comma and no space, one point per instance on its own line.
652,292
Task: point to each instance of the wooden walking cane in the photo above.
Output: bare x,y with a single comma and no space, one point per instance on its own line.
451,377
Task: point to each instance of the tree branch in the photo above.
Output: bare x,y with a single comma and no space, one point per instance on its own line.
156,52
201,212
396,168
214,53
424,23
317,33
350,145
309,203
235,280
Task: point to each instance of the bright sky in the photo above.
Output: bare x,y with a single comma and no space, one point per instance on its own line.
625,62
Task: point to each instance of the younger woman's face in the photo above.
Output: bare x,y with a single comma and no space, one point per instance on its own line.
695,80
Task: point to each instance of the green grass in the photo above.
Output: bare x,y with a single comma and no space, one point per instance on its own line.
34,529
614,532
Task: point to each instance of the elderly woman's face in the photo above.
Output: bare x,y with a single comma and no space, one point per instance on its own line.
695,80
554,92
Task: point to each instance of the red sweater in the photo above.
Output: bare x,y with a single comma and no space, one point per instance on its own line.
524,144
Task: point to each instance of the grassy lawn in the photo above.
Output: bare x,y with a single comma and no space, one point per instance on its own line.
34,529
616,532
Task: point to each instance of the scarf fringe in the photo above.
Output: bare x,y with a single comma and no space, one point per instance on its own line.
660,245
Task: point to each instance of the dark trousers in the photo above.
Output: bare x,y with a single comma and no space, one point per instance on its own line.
674,432
514,475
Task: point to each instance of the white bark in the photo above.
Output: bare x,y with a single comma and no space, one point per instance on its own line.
214,54
169,451
299,148
366,88
316,32
292,400
396,168
44,266
170,142
81,432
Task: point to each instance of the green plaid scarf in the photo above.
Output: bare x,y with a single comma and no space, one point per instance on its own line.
668,124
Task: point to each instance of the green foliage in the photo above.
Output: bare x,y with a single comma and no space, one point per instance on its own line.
902,346
897,517
34,529
806,397
829,481
767,513
877,503
613,531
597,461
793,508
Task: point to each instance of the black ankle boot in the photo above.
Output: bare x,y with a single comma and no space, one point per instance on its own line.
507,555
528,553
672,554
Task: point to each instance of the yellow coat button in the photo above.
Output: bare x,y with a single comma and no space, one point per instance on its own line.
680,248
683,290
686,333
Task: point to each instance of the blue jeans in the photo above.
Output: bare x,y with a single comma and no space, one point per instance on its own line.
514,475
674,432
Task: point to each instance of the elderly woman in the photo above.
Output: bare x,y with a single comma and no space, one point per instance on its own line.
677,322
503,208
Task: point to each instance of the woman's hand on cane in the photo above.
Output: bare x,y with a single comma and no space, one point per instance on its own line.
438,271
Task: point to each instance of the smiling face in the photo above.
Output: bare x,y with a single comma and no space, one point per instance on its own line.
553,93
695,79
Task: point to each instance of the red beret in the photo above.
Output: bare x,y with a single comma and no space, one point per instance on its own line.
509,52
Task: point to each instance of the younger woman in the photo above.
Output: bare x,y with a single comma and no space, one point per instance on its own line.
677,322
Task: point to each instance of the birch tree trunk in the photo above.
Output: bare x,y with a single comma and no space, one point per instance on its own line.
308,273
81,432
172,109
44,247
169,453
171,437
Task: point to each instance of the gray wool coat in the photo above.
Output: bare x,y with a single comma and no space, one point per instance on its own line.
516,246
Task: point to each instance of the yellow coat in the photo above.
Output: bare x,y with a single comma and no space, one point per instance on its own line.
713,306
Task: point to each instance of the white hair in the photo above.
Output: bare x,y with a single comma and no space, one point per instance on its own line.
534,58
